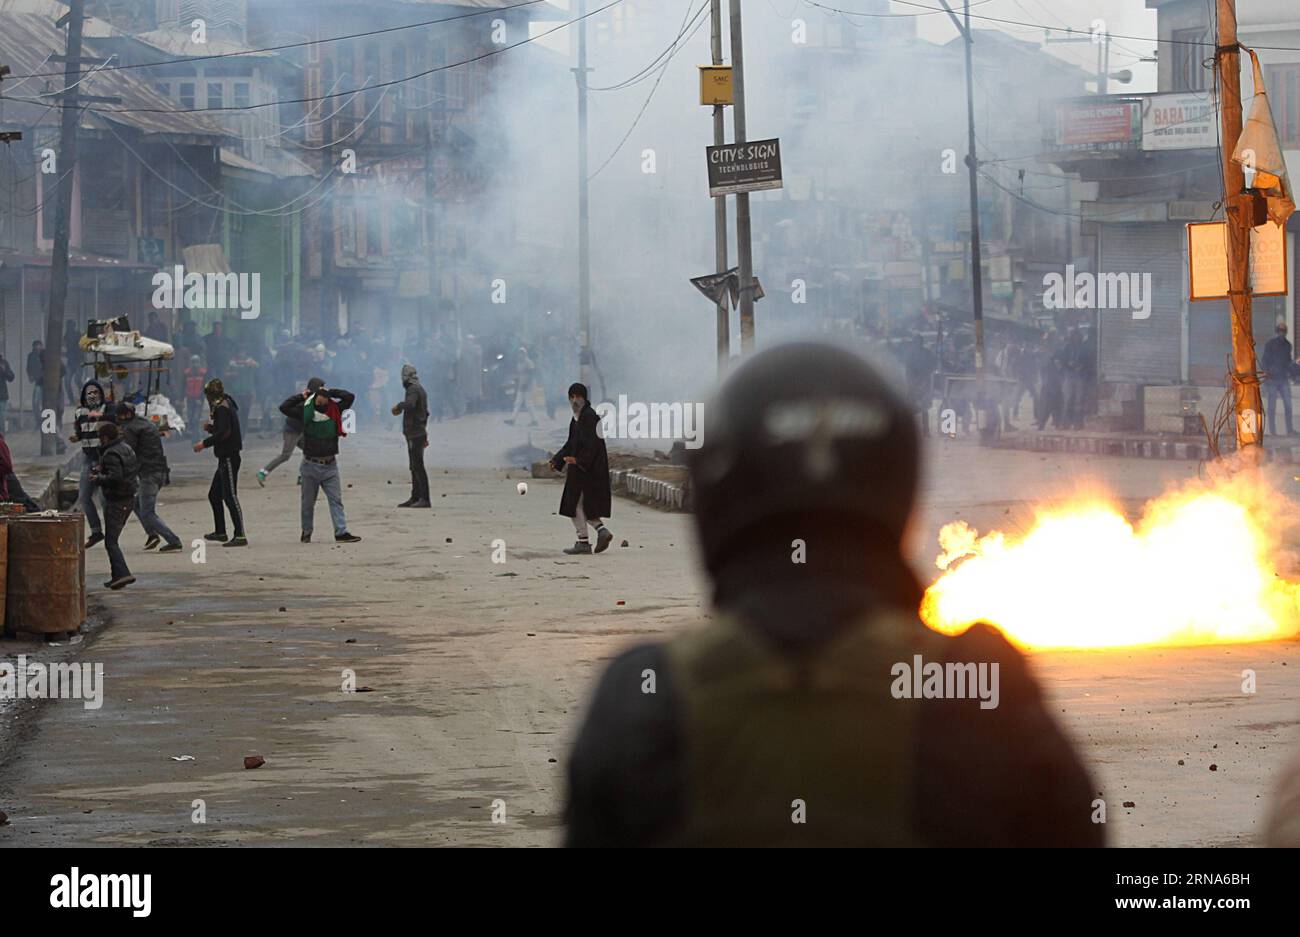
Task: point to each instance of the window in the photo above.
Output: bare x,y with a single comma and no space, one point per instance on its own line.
243,94
216,95
187,95
1192,48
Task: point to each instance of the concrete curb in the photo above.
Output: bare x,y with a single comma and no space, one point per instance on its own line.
661,494
1136,447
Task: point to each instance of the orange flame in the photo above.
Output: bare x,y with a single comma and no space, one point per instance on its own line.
1200,567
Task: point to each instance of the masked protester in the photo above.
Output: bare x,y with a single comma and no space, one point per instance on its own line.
291,438
117,475
414,411
225,441
87,421
583,459
143,438
793,691
320,411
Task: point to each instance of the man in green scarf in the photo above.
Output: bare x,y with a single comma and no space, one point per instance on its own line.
320,411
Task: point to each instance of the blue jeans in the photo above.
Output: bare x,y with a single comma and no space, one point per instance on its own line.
316,476
146,509
1273,390
86,492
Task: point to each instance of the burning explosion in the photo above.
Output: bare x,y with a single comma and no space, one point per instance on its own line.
1200,567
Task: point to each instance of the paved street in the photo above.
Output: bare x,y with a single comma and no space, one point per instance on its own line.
478,671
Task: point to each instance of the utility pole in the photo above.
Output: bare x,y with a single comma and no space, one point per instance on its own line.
972,165
1240,218
744,232
67,161
720,203
584,208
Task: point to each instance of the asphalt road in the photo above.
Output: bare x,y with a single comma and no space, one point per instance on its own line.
477,671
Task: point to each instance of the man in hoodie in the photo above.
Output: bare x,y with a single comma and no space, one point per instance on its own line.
320,411
291,438
583,459
87,421
117,476
415,418
225,441
142,436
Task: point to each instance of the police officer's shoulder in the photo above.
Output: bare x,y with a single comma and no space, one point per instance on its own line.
982,643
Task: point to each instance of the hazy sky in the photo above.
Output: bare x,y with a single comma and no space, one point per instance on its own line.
1124,17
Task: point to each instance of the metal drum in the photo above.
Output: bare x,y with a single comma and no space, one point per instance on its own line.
45,586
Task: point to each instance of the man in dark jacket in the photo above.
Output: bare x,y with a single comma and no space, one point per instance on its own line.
117,476
784,720
320,411
225,441
36,374
87,420
143,438
1277,364
415,419
584,461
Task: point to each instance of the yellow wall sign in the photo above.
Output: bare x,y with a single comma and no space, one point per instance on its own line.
715,85
1207,255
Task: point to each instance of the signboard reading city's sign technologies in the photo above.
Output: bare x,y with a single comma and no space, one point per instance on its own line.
1112,125
744,167
1207,253
1179,121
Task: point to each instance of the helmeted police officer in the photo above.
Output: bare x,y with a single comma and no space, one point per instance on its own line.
781,721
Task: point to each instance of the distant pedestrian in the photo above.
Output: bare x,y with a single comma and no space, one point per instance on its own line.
1278,365
414,411
143,438
225,441
36,374
585,463
6,378
320,411
525,375
196,377
117,476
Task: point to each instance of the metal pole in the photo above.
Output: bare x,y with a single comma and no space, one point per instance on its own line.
1239,213
720,203
744,233
972,164
67,162
584,206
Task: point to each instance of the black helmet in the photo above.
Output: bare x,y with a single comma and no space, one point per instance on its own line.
800,429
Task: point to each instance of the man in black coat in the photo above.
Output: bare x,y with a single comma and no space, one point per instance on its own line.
414,411
226,442
585,463
117,474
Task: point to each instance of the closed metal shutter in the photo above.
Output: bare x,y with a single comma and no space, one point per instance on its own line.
1144,351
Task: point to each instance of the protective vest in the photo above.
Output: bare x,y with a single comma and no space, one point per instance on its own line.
770,739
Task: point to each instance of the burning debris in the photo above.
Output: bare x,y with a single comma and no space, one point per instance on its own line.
1203,565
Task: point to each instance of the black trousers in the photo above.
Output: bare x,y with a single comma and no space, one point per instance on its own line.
225,491
116,514
419,477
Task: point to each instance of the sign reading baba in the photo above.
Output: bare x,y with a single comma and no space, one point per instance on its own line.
176,289
744,167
